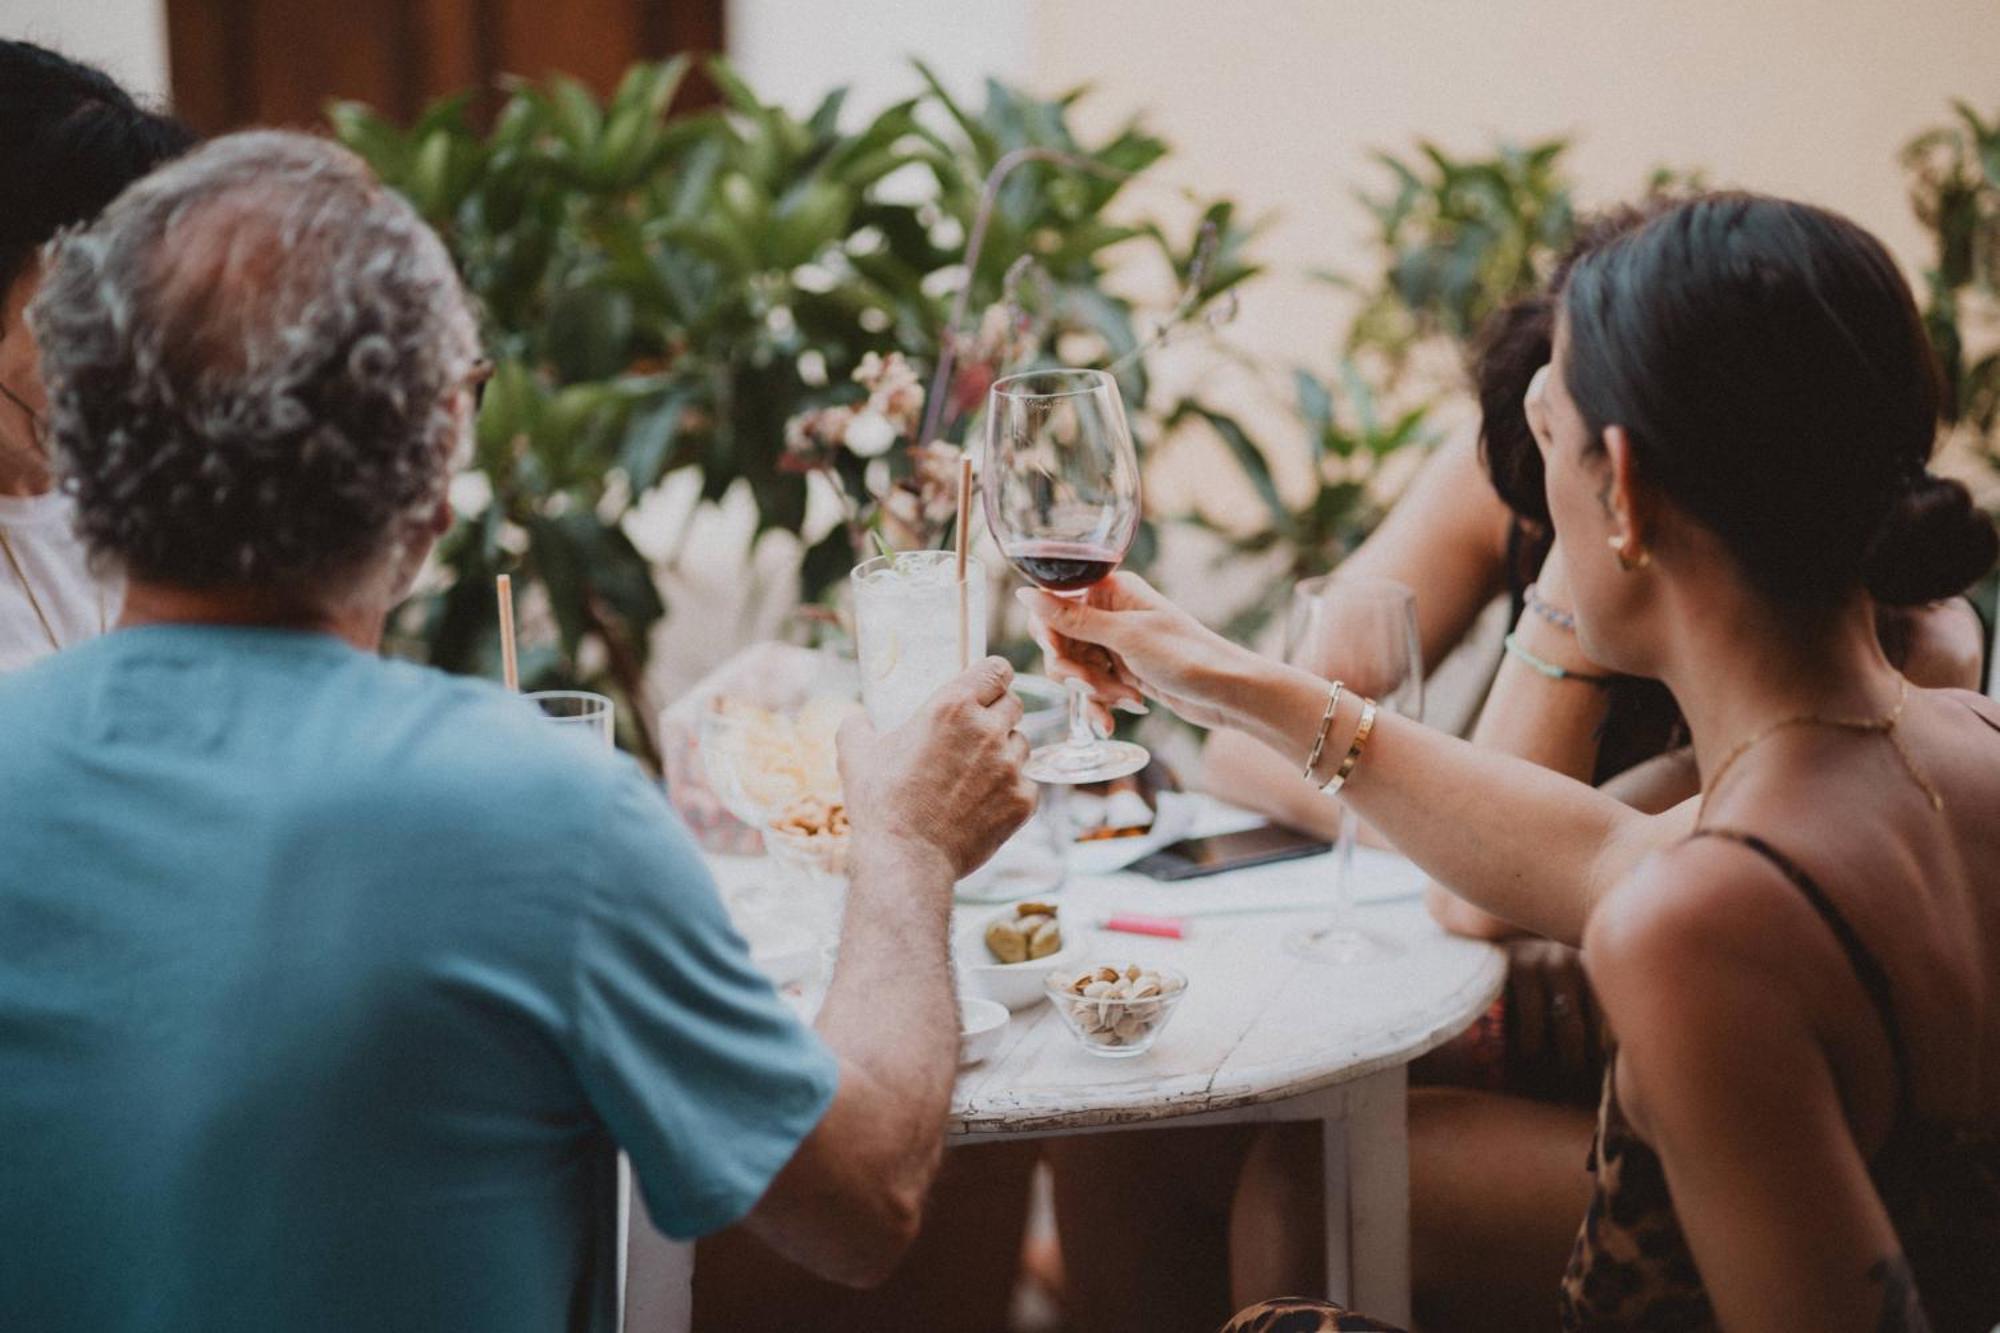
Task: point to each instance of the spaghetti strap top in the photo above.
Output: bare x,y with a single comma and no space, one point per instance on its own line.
1868,969
1631,1268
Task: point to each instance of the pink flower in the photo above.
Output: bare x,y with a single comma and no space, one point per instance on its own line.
894,391
811,437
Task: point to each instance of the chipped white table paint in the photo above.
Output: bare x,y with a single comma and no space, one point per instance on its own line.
1263,1036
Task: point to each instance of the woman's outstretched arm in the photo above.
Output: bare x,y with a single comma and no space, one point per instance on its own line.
1528,845
1446,536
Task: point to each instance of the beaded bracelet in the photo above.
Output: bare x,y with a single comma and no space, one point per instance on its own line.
1516,649
1549,611
1325,725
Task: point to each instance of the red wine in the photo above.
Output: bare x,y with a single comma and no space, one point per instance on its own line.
1063,566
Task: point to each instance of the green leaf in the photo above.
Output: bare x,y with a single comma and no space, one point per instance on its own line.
577,116
378,142
651,437
1315,405
652,86
985,146
590,333
810,216
825,119
734,90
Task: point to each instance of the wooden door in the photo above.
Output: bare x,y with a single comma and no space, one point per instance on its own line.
278,62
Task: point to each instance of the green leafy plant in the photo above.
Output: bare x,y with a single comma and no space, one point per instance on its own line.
1350,436
1457,238
669,293
1954,172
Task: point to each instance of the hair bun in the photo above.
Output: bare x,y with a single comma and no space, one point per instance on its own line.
1933,543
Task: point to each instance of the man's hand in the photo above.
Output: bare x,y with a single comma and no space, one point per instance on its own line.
949,780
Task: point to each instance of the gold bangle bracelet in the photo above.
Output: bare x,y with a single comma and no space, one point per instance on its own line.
1360,742
1325,725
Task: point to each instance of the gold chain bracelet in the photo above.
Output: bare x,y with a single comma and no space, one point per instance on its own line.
1325,725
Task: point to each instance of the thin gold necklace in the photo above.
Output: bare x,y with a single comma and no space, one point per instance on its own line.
1884,725
28,587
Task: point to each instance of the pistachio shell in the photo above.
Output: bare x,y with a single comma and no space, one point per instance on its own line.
1006,943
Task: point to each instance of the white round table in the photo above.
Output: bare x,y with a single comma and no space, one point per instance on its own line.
1263,1035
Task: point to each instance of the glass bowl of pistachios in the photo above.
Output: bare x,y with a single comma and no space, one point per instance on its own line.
1115,1010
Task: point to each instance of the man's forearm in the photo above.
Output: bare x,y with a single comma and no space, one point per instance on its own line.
891,1009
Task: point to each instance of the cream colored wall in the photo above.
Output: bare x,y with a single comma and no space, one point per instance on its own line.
1277,102
127,38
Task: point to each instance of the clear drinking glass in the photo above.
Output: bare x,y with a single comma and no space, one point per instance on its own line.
1362,631
912,633
1061,490
583,714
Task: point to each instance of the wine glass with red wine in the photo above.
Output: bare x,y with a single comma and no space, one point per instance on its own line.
1061,491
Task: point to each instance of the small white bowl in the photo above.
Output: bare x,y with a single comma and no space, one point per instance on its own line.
1016,985
981,1024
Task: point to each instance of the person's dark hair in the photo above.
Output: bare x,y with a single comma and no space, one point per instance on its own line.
1516,341
253,359
70,141
1769,364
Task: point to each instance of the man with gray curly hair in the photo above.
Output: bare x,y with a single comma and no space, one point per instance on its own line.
331,985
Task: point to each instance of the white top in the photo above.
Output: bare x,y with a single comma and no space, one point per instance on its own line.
39,531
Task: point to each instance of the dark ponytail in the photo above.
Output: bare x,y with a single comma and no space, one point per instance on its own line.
70,141
1770,367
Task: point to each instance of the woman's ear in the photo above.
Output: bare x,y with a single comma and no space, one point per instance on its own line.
1623,492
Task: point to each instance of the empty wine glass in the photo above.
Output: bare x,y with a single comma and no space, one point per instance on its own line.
1362,631
1061,490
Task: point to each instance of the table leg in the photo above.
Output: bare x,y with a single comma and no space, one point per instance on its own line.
1334,1202
659,1278
1378,1194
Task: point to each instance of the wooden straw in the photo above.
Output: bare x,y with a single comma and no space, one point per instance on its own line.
509,668
964,541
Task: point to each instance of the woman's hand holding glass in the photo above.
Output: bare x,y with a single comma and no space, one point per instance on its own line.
1128,643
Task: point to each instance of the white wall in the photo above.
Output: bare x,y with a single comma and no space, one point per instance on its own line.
1277,102
795,51
126,38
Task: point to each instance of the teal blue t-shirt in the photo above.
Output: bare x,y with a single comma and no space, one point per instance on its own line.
327,985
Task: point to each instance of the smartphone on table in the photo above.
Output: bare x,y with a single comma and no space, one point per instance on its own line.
1191,858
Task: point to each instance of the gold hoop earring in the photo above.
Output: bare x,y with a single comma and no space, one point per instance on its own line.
1627,561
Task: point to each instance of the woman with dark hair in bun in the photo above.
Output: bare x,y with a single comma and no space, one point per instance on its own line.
70,141
1801,1124
1501,1118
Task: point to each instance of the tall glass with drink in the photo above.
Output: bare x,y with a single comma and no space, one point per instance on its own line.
914,629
